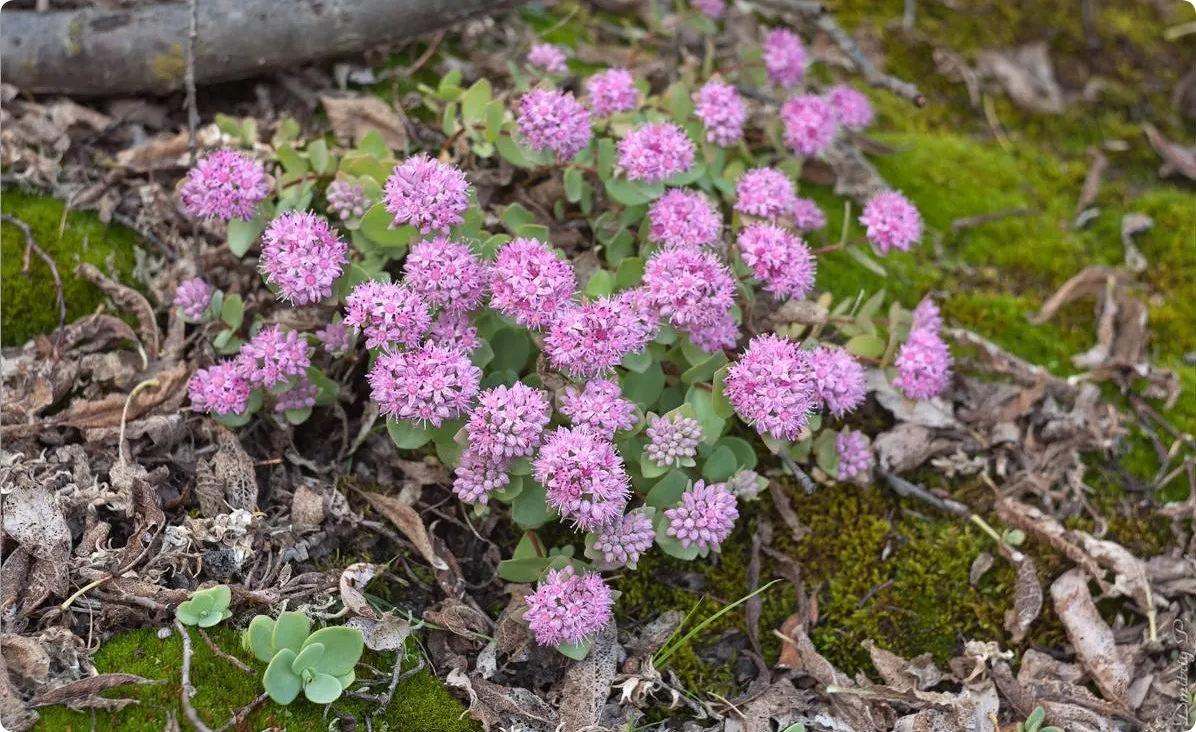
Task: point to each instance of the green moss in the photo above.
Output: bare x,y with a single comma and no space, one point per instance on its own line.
29,299
420,703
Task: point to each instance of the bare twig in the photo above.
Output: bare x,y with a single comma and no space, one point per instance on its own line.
969,222
1092,181
124,416
215,649
188,689
189,80
243,713
807,483
31,245
913,490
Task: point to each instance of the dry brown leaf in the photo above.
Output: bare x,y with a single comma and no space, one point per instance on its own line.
130,300
459,618
980,566
1097,165
498,706
1089,282
1027,76
160,152
89,687
587,683
387,633
14,714
776,708
1133,224
353,580
1027,601
1129,573
34,519
307,505
407,520
1091,636
1176,159
107,411
352,117
25,656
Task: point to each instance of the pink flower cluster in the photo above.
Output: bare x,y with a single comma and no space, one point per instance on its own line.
336,337
552,119
219,389
273,356
508,421
430,384
598,407
347,200
779,259
548,57
923,365
810,124
744,485
454,330
567,607
584,477
784,57
712,9
851,108
838,379
764,192
588,339
807,216
388,314
656,151
612,91
718,335
530,283
301,395
683,217
224,184
478,476
892,222
722,111
639,316
192,297
302,255
926,316
672,439
427,194
855,456
705,517
446,274
624,540
690,288
770,387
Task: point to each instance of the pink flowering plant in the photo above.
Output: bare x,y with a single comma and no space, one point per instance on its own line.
621,391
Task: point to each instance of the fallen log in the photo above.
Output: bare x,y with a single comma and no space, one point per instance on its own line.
97,52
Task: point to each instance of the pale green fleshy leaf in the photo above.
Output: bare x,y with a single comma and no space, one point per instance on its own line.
280,683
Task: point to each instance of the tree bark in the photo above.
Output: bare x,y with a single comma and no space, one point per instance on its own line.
97,52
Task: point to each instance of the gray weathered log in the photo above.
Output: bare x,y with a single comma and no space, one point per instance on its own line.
97,52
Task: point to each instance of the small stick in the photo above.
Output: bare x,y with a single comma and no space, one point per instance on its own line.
243,713
226,656
807,483
968,222
31,245
188,689
124,417
189,81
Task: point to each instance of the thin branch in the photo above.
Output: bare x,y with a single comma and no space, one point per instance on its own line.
189,80
188,689
807,483
31,245
215,649
913,490
243,713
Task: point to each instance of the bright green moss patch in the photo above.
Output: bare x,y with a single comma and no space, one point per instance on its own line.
420,703
29,305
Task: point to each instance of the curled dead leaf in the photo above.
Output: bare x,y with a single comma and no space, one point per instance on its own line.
353,579
1091,636
1027,601
352,117
407,520
130,300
